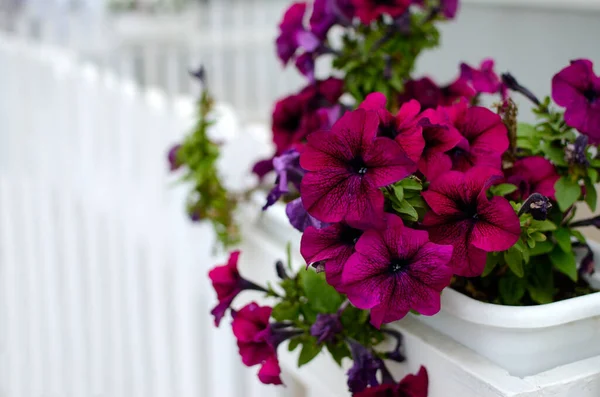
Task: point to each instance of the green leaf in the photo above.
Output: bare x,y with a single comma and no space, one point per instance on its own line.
322,297
286,310
411,184
538,237
595,163
578,235
564,262
503,189
514,259
338,351
593,174
404,208
293,344
490,263
540,282
512,289
526,130
541,248
555,154
567,192
591,196
563,238
542,226
398,193
310,350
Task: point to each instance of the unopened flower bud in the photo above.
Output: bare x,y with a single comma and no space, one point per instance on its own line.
575,153
538,206
326,328
280,268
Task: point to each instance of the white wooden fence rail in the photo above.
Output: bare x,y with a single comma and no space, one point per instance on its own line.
103,286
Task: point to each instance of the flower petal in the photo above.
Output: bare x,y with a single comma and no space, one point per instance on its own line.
387,163
498,227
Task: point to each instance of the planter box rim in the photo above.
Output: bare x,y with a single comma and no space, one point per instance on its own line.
472,310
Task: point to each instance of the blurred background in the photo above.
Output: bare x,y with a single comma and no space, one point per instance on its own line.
103,287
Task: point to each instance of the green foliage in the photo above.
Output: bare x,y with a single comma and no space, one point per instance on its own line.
567,192
404,198
503,189
208,199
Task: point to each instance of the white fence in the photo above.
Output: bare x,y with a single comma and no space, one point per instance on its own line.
103,281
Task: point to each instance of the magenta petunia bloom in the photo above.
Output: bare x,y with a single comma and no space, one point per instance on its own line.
484,79
270,372
577,88
347,166
440,137
430,95
533,174
293,34
411,386
370,10
461,215
228,283
327,13
332,245
396,270
404,128
485,137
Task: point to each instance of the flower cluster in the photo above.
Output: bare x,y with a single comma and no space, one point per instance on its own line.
410,187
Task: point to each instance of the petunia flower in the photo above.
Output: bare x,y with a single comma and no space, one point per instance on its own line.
484,79
332,246
299,218
327,327
363,372
293,35
411,386
577,88
533,174
370,10
430,95
327,13
461,215
287,167
347,166
440,137
485,137
404,128
397,270
228,283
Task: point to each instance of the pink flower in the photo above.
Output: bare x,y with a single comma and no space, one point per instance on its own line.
396,270
461,215
347,166
484,79
253,333
411,386
293,35
533,174
332,245
440,137
430,95
404,128
485,137
228,283
370,10
577,88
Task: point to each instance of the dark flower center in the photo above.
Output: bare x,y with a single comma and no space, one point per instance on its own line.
398,265
350,235
358,166
384,2
387,130
591,95
458,152
292,123
469,210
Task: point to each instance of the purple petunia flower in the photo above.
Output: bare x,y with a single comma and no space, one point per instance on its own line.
485,137
577,88
484,79
461,215
299,218
327,13
287,167
411,386
363,372
347,166
228,283
370,10
327,327
533,174
332,245
430,95
404,128
396,270
293,34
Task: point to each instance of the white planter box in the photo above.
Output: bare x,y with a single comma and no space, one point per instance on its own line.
471,349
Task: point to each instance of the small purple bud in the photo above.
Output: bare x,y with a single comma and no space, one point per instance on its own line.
363,372
575,153
174,163
280,268
199,74
402,23
512,84
326,328
537,205
195,216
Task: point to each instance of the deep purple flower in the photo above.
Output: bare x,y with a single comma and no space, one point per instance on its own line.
347,166
327,327
293,34
396,270
404,128
537,205
327,13
411,386
228,283
485,137
461,215
287,167
430,95
533,174
331,246
440,137
363,372
577,88
299,218
174,163
305,64
253,333
484,79
370,10
576,153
